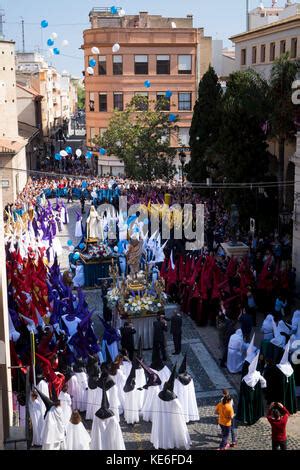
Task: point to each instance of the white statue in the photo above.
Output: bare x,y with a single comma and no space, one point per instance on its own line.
94,225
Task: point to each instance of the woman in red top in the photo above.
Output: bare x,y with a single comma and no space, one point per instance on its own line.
278,417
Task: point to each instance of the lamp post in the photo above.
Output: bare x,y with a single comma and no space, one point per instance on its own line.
182,158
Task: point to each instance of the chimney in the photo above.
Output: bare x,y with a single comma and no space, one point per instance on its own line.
143,19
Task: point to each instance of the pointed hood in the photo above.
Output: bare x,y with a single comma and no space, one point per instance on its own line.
157,363
104,412
152,379
46,400
183,375
108,356
130,382
167,394
79,366
251,351
105,380
253,375
285,365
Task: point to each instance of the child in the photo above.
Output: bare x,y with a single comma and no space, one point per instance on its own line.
233,423
77,437
225,411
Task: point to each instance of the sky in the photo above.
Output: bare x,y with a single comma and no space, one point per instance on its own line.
68,18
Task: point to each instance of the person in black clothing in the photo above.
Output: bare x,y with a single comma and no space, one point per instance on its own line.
226,328
82,202
246,322
176,330
127,340
159,340
70,195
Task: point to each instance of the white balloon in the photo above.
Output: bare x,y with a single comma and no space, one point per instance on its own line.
95,50
65,43
78,153
54,35
51,52
116,47
90,70
122,12
63,153
173,24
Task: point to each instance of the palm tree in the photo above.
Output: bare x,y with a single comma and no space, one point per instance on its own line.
282,118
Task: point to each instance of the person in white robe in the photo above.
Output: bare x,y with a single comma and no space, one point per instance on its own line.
36,418
162,371
82,380
169,429
295,320
65,403
79,278
77,437
54,432
267,327
42,386
140,378
236,352
78,226
282,334
184,388
152,389
120,379
74,388
106,432
131,402
107,381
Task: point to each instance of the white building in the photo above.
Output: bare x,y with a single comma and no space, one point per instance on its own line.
223,59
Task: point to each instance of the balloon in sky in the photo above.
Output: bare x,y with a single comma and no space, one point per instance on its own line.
147,84
102,151
173,24
76,256
63,153
95,50
78,153
50,42
92,63
172,117
116,47
69,243
89,154
57,156
90,70
169,93
122,12
69,150
113,10
44,24
56,51
54,35
65,43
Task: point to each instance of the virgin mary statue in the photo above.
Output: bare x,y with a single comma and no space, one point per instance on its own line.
93,225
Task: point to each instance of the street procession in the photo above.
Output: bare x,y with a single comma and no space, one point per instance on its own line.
149,239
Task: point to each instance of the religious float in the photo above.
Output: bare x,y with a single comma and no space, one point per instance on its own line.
96,259
138,298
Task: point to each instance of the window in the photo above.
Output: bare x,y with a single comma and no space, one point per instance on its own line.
184,64
161,96
263,53
294,45
102,102
94,133
184,101
254,54
117,65
118,101
143,106
243,56
102,65
141,65
163,65
184,136
272,51
282,47
92,102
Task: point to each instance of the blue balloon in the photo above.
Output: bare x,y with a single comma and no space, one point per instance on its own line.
169,94
76,256
84,184
102,151
57,156
69,243
44,24
172,117
92,63
89,154
113,10
69,150
50,42
56,51
146,221
147,84
82,246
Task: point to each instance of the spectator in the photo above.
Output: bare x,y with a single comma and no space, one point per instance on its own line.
225,413
278,417
233,424
251,305
280,305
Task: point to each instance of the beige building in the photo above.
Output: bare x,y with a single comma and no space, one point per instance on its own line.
169,52
13,164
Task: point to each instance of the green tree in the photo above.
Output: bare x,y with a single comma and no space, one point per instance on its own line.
205,126
241,152
81,97
282,126
140,137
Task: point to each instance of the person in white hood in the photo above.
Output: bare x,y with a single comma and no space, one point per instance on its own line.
236,352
